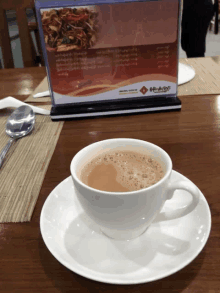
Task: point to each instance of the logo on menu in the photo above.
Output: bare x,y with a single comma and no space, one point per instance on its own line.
160,89
143,90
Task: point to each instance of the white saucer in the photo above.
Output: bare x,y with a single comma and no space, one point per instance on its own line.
162,250
185,73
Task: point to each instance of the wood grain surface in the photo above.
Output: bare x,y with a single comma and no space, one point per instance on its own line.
192,139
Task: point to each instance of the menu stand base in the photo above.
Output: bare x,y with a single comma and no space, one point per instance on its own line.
112,108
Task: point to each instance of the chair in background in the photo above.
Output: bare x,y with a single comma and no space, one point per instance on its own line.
29,54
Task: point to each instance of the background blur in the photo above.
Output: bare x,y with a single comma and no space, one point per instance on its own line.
212,41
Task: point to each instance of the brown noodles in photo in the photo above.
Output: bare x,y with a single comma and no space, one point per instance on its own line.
69,28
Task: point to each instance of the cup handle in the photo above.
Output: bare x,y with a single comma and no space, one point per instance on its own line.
177,213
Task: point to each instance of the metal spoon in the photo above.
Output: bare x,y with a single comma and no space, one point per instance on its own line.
19,124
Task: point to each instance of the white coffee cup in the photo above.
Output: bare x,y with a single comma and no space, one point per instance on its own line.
126,215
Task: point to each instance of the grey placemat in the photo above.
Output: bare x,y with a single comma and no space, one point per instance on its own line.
206,80
25,166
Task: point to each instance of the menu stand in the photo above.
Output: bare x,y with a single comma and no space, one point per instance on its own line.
110,57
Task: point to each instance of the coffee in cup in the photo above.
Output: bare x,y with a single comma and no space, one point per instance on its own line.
121,171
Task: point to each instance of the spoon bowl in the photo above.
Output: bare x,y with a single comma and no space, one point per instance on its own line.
20,123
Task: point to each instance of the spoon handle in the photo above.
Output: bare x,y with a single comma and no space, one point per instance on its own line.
5,150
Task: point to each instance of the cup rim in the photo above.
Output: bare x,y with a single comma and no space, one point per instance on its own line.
75,177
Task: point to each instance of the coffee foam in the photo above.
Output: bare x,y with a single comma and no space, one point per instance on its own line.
134,170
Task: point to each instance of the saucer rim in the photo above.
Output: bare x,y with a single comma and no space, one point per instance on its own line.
190,69
118,281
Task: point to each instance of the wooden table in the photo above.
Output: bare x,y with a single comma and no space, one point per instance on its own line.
191,137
